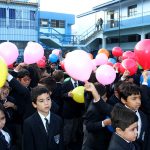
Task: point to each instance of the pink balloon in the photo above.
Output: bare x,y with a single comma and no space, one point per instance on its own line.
9,52
56,52
78,65
33,53
44,58
101,59
105,74
94,64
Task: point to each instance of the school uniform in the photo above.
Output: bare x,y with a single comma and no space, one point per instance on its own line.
5,139
72,114
37,137
145,94
57,97
96,135
118,143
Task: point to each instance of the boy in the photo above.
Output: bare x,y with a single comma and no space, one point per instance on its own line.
96,134
5,139
42,130
125,123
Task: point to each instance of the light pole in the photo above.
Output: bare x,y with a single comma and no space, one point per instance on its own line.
119,26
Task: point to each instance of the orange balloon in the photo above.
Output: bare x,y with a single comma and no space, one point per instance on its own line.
104,51
91,56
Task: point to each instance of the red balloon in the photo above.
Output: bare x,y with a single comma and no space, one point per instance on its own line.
41,63
117,51
142,52
130,65
128,54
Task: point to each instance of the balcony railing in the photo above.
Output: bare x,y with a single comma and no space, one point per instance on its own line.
139,19
18,24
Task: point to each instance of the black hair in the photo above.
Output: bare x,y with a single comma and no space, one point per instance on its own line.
117,85
92,77
127,89
101,89
58,75
37,91
122,117
48,82
23,73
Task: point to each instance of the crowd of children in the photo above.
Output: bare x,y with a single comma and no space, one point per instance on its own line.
37,112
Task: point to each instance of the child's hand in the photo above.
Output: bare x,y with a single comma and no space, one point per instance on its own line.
89,87
20,66
8,105
126,73
70,94
107,122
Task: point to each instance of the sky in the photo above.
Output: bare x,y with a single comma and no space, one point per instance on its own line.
69,6
75,7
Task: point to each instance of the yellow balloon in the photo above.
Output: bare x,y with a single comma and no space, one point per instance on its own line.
3,72
78,94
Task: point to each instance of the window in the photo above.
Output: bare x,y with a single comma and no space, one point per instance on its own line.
18,14
12,18
12,14
132,10
32,19
58,23
2,17
32,15
44,23
25,24
18,18
2,12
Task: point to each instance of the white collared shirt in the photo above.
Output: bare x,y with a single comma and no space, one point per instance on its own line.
7,136
139,124
43,119
73,81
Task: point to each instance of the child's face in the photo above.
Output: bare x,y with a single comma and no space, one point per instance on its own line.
2,119
130,133
133,102
43,104
4,91
25,81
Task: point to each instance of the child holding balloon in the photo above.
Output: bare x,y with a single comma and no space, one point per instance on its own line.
96,134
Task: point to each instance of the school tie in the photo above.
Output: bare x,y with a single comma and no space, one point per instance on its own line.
2,137
47,125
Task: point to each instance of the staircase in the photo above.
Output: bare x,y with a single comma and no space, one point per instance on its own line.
55,39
